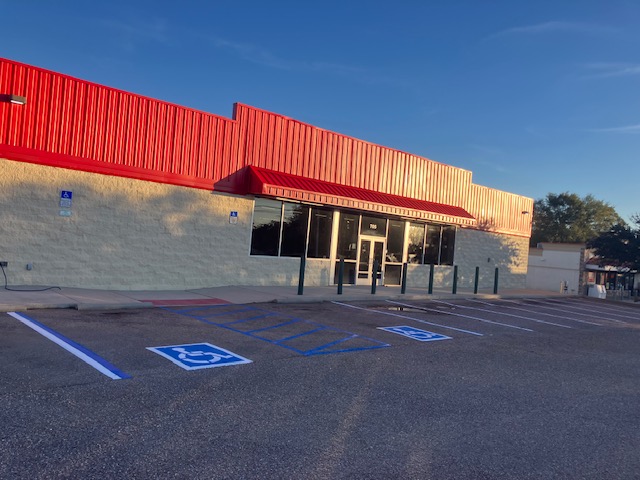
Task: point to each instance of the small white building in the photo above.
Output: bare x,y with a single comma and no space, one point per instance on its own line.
554,266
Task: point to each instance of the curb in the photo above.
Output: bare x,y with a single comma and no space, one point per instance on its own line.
113,306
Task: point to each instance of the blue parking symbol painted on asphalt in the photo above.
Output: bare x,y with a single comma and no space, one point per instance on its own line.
415,333
194,356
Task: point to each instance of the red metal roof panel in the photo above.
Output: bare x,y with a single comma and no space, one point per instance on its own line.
263,181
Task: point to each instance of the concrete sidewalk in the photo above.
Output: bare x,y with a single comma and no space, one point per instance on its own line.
31,297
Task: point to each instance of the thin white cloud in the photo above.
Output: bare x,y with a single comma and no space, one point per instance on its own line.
261,56
624,129
494,166
491,151
253,54
606,70
130,33
555,27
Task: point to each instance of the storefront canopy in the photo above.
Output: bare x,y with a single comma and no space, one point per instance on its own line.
283,185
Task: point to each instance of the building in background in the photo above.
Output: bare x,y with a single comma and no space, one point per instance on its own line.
557,267
101,188
573,269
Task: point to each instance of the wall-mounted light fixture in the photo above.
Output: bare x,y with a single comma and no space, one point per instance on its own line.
11,98
17,99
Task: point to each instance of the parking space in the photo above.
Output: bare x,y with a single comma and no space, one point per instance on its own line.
121,339
116,344
460,392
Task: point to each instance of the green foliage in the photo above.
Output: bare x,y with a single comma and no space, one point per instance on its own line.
620,246
568,218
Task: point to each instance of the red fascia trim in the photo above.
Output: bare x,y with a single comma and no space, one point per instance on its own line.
29,155
261,177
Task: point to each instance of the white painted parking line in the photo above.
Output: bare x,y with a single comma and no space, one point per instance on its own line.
70,346
555,307
504,313
549,314
595,308
410,318
483,303
461,315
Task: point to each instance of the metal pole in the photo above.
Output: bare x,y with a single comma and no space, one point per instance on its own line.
475,282
455,280
340,275
301,276
495,283
431,279
403,288
374,277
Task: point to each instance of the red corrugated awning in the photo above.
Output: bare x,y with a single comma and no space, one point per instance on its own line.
277,184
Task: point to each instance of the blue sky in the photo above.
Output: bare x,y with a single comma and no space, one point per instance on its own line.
532,97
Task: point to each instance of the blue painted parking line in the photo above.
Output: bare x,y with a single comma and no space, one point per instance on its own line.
286,339
272,327
331,344
415,333
72,347
349,342
196,356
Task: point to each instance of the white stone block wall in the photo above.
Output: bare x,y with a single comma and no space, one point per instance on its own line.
128,234
482,249
137,235
489,250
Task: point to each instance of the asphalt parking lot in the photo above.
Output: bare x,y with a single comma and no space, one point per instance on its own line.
531,388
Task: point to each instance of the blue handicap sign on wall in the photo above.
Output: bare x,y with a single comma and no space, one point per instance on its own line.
415,333
194,356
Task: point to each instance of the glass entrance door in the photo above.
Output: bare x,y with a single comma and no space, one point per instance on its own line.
371,250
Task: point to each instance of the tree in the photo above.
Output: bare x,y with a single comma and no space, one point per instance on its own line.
620,246
566,217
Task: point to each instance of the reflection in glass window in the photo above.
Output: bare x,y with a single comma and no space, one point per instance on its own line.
294,230
374,226
448,245
320,233
348,236
392,274
265,233
416,243
432,245
395,241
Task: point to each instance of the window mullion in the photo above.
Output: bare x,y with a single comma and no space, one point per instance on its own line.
281,227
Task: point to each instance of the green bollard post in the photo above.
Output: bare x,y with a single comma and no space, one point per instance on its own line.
403,288
301,276
455,280
475,282
340,275
374,277
431,279
495,283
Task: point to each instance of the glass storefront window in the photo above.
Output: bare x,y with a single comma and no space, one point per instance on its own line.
447,247
348,236
395,241
416,243
392,274
320,233
265,234
432,245
287,229
374,226
294,230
